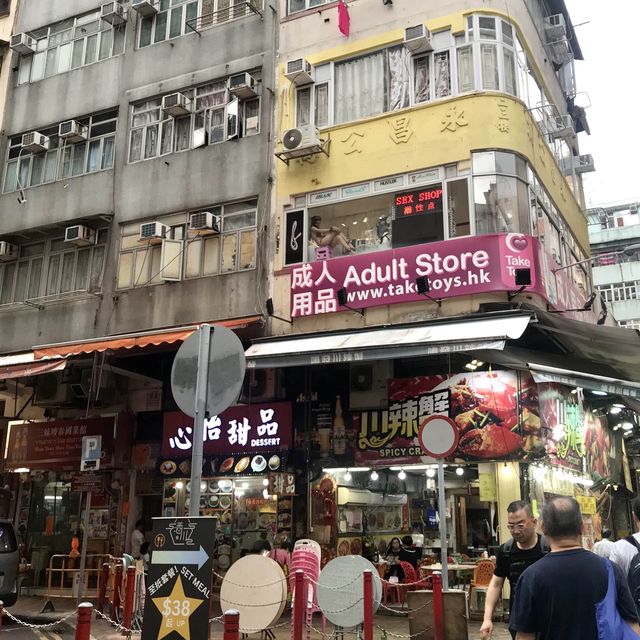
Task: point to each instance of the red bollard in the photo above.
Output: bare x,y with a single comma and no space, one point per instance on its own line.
1,612
102,590
117,585
299,602
368,605
129,594
231,625
83,625
438,610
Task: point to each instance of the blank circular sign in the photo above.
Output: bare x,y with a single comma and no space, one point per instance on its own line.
226,371
438,436
341,590
257,588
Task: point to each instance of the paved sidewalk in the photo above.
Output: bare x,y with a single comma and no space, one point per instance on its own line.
29,609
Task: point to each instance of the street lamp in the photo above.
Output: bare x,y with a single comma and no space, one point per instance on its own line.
627,251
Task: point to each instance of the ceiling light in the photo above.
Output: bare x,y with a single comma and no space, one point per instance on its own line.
245,485
22,470
470,366
558,432
431,472
374,475
265,482
265,494
347,477
618,404
460,471
365,219
179,485
627,426
402,475
615,410
598,393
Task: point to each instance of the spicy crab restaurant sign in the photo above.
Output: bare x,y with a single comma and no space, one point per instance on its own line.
257,427
457,267
496,414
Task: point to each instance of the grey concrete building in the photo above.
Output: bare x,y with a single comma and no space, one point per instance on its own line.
167,108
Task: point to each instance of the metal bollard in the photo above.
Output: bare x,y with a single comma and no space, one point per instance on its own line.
102,590
129,594
231,625
117,585
368,605
438,607
83,624
299,603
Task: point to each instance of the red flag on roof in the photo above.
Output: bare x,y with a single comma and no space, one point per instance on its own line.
343,18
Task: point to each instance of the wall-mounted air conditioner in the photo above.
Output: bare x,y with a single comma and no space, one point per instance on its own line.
299,71
555,27
51,391
153,232
584,163
204,222
242,85
176,104
145,7
560,127
72,131
22,43
113,13
35,142
80,235
301,141
417,39
8,251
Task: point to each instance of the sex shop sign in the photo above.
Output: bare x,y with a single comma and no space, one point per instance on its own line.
244,428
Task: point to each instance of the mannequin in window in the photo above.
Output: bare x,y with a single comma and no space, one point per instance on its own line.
330,237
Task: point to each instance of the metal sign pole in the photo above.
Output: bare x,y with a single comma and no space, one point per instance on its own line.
443,526
85,540
202,382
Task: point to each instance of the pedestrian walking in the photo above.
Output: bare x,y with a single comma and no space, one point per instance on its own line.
605,546
524,548
571,593
626,554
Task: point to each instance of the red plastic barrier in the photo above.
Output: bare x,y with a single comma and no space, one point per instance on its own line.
83,625
438,608
129,593
299,603
368,605
231,625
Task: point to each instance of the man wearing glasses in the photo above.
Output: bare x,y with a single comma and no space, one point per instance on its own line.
514,556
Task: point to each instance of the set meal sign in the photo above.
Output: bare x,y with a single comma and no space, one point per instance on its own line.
179,581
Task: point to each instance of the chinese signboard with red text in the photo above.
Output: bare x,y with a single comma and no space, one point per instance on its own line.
426,200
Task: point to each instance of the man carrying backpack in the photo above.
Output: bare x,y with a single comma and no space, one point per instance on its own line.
625,554
514,556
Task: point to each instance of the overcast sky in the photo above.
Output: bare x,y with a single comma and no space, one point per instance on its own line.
610,75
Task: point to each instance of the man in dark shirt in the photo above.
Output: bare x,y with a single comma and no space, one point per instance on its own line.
262,544
513,558
556,597
409,553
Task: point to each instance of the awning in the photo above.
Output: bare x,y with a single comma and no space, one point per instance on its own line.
386,343
31,369
131,340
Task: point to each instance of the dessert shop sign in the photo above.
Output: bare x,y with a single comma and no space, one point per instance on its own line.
457,267
258,427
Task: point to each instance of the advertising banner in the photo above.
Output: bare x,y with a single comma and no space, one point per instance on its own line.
246,428
496,413
457,267
45,445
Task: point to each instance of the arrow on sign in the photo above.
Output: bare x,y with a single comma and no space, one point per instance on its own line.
180,557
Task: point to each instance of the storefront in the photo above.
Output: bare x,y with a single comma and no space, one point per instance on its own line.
248,482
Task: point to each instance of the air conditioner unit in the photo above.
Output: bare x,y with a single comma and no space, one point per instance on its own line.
51,391
8,251
555,27
80,236
417,39
633,208
153,232
242,85
368,384
560,52
113,13
23,43
302,141
299,71
560,127
176,104
260,385
35,142
204,222
102,389
72,131
584,163
145,7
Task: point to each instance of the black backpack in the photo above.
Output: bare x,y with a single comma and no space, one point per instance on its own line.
633,575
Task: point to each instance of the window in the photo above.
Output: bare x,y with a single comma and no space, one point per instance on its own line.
63,159
70,44
52,268
169,22
620,291
192,256
216,117
302,5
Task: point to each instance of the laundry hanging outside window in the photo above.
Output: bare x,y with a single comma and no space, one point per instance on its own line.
343,18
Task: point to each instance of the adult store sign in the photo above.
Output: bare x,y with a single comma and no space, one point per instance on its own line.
179,580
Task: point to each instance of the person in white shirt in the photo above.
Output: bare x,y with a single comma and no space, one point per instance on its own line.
137,539
605,546
624,551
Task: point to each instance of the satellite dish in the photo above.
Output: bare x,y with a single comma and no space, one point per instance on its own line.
226,371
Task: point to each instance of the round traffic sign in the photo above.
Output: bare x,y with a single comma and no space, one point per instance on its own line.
438,436
225,376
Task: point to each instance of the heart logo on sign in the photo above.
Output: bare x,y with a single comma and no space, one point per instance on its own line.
520,243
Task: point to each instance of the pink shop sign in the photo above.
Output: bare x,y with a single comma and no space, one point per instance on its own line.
457,267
